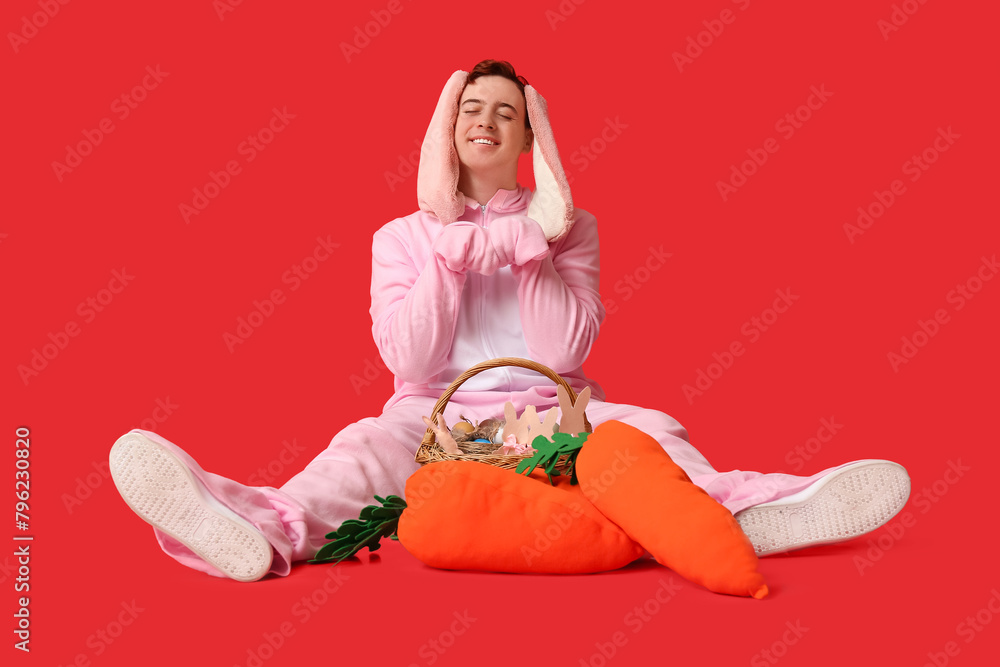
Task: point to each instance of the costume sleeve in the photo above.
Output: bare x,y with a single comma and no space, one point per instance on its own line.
561,309
414,308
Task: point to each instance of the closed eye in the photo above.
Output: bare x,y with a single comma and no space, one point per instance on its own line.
477,111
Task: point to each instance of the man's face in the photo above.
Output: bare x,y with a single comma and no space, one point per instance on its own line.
490,132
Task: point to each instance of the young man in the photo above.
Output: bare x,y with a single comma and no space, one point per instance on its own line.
485,269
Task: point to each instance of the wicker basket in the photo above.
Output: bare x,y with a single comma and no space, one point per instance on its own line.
429,451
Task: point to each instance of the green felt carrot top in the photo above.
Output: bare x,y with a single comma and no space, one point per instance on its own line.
374,523
548,452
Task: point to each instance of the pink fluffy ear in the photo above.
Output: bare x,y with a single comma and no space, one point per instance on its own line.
552,204
437,174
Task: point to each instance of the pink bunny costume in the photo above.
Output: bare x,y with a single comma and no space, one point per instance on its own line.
453,284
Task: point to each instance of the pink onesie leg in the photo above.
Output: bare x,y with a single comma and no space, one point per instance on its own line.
736,490
372,456
780,512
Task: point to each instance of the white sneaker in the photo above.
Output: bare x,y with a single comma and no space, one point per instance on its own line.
848,502
161,488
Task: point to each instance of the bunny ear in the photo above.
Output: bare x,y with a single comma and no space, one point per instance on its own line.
510,420
437,172
581,402
552,204
564,403
528,418
547,427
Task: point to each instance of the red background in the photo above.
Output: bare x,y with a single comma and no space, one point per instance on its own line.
655,184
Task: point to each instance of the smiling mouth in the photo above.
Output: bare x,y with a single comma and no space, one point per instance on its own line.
485,142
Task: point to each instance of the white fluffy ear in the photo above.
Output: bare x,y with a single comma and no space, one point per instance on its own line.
551,204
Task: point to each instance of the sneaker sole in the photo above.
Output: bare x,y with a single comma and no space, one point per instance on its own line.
161,489
845,504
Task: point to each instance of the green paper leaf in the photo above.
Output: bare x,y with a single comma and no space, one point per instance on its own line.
353,535
549,451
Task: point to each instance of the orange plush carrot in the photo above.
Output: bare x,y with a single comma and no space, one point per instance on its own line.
627,475
464,515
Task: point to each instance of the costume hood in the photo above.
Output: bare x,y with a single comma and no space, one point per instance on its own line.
437,176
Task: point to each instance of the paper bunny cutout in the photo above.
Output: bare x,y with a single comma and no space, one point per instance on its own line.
442,435
529,426
572,421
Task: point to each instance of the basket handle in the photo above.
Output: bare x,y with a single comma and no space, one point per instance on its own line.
429,438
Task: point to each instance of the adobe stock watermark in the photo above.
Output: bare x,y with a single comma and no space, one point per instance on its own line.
914,167
587,153
407,164
303,610
310,605
371,371
8,569
786,126
413,330
752,329
249,148
967,630
263,309
365,33
59,340
432,650
898,17
562,12
635,620
101,639
560,521
958,297
430,483
223,7
30,25
714,28
779,647
633,281
122,107
802,454
85,485
270,473
924,501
